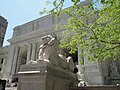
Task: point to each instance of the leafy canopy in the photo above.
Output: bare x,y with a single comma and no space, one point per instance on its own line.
96,32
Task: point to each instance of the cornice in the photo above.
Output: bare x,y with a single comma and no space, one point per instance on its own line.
31,35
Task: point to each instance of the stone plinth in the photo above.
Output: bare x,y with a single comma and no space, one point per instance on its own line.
93,75
115,80
43,76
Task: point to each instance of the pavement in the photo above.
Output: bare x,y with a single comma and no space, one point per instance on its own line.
11,88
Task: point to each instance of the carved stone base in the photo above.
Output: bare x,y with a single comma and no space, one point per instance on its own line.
43,76
115,80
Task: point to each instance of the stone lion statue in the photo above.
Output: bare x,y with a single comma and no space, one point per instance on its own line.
49,45
49,52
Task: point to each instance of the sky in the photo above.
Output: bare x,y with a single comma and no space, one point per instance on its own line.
18,12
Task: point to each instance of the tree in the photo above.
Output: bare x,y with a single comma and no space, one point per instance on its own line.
97,32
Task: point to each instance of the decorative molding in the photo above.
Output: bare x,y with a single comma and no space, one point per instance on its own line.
31,35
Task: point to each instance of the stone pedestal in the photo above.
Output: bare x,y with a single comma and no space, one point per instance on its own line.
115,79
93,75
114,75
43,76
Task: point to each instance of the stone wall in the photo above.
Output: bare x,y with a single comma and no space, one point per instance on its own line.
3,27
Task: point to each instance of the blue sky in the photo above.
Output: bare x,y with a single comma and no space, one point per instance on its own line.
18,12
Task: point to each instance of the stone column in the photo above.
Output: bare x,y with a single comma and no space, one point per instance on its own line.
80,66
15,60
81,73
18,64
3,64
33,51
29,52
79,55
